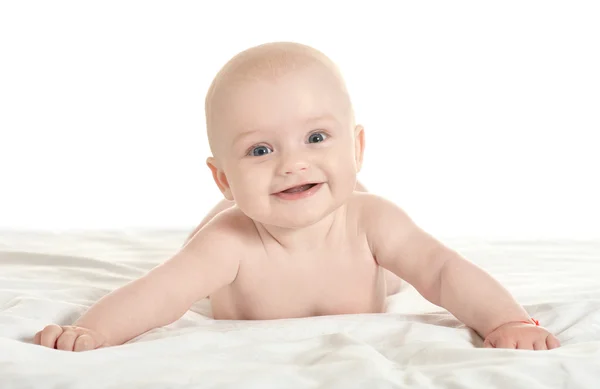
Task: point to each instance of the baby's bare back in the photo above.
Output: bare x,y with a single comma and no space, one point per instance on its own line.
272,283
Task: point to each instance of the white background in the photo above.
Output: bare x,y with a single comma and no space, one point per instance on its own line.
481,117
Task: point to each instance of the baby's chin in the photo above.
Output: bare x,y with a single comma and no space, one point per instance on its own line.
290,218
295,214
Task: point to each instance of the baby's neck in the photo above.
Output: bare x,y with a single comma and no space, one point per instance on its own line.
323,233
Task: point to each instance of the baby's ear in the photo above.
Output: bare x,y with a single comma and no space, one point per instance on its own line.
220,178
359,146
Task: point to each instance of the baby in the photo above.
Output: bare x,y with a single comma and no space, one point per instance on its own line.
297,236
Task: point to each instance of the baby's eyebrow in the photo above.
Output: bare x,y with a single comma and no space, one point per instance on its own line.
239,137
313,119
321,118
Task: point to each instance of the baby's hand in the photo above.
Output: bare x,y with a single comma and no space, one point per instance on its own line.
522,336
69,338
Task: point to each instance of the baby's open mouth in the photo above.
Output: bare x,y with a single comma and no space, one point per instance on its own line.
297,189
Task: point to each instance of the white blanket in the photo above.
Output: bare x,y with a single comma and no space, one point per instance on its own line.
54,277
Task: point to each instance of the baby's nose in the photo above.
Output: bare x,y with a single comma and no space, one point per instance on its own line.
293,166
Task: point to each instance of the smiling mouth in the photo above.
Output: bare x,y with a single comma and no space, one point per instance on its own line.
298,189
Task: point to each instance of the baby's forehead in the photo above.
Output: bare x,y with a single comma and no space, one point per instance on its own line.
279,104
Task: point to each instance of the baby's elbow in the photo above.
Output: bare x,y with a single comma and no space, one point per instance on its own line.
431,291
433,281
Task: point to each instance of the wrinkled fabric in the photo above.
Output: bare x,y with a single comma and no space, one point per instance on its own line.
54,277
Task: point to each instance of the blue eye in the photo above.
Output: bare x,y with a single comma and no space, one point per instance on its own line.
316,137
260,151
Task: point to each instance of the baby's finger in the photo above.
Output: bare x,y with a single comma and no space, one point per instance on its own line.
525,345
66,341
540,345
49,335
552,342
504,342
37,338
488,343
84,342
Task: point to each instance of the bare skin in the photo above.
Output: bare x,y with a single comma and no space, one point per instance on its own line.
392,281
294,237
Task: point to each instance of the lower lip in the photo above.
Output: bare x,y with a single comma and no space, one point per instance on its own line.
299,195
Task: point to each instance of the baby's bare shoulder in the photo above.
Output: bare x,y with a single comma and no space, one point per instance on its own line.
377,217
371,209
234,224
230,230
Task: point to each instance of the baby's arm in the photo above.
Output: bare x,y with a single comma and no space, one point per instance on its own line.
439,274
206,263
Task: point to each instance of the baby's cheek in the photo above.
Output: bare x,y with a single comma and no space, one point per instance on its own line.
250,193
238,187
343,174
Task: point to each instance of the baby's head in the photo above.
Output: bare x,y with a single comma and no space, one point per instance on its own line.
278,116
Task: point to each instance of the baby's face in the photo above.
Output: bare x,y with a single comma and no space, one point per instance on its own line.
274,135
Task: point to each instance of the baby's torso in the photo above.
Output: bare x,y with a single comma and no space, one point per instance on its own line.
343,279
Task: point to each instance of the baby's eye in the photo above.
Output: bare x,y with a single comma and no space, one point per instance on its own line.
316,137
260,151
